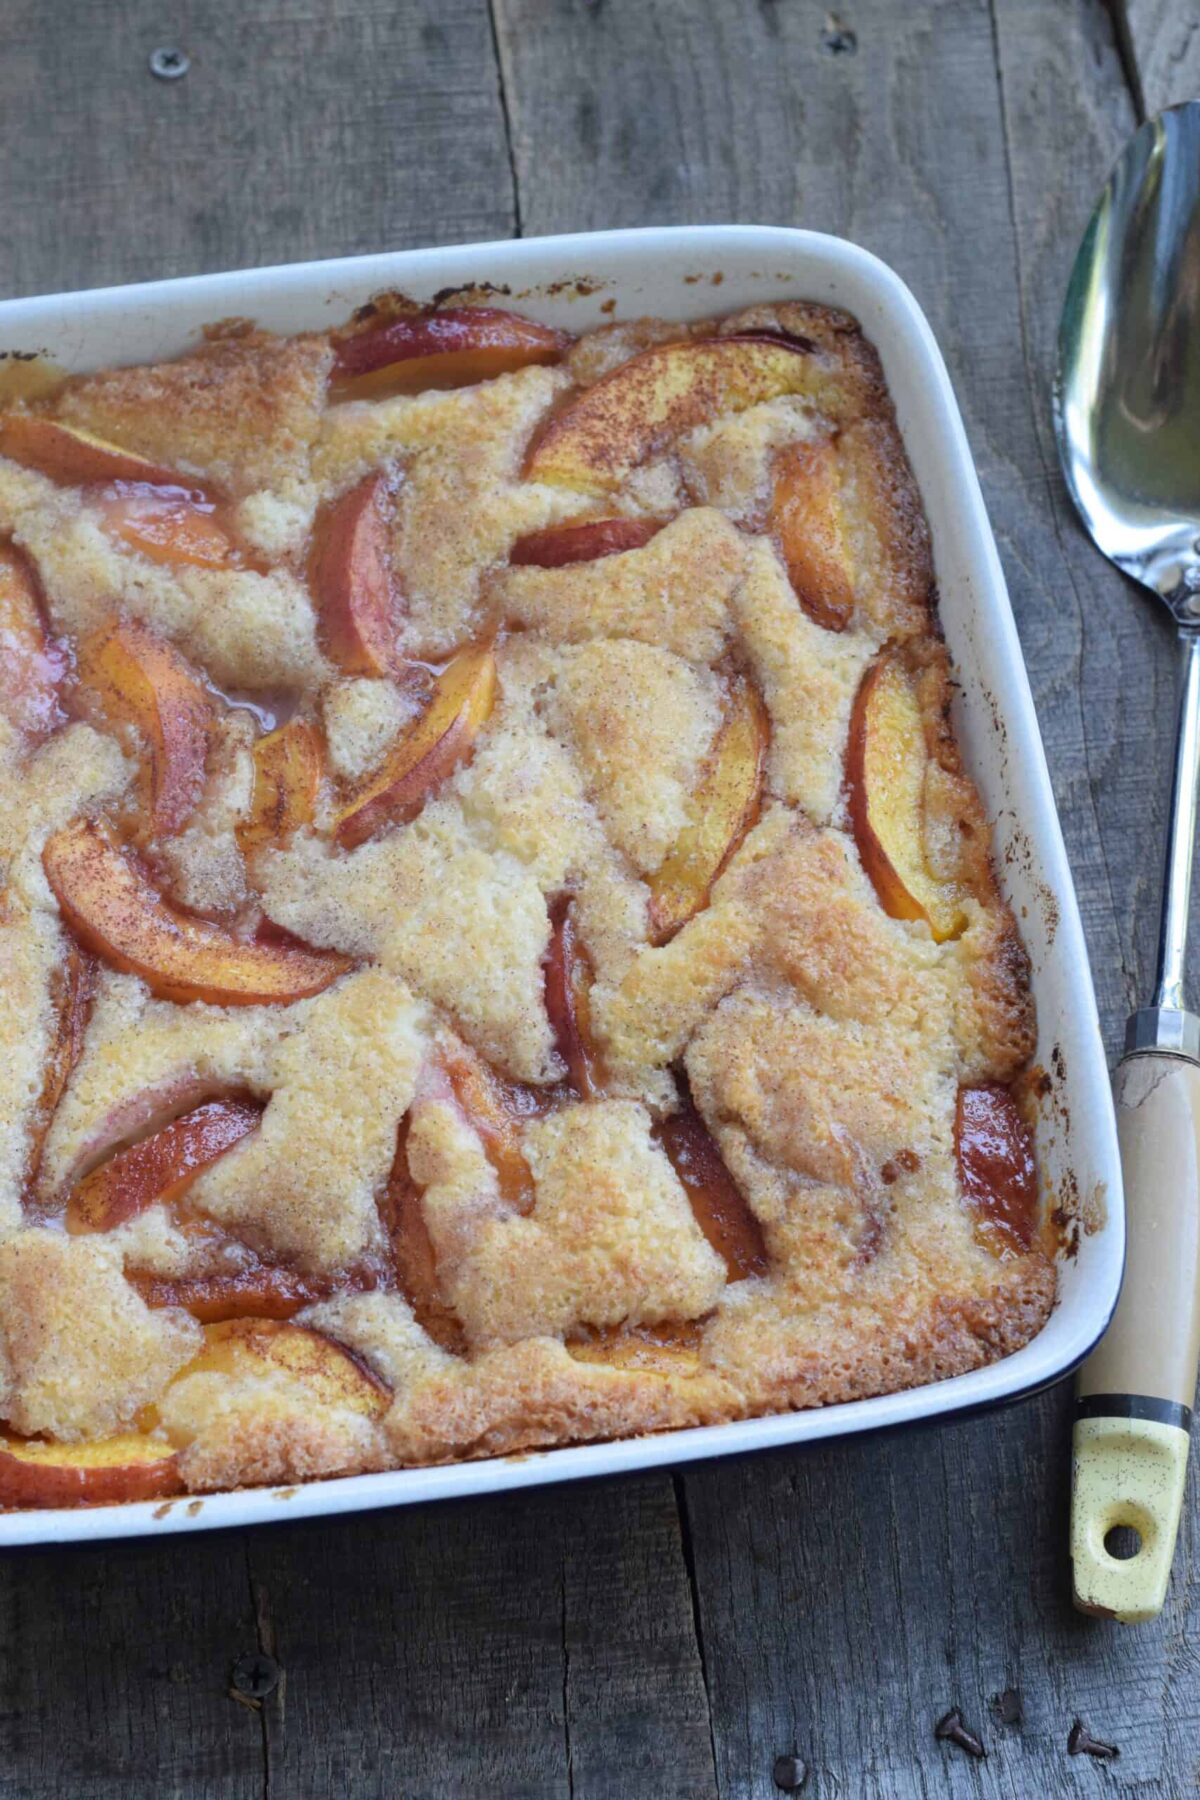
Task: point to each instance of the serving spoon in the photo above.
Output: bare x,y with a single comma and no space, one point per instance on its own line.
1127,417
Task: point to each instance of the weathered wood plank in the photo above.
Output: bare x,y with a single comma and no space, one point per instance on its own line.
299,131
530,1646
512,1649
1163,41
114,1671
849,1596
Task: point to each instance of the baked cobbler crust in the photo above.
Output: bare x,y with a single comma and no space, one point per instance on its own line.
544,1015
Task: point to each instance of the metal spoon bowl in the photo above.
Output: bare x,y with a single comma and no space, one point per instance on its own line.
1127,417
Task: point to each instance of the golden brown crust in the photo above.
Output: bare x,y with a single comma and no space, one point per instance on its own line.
820,1038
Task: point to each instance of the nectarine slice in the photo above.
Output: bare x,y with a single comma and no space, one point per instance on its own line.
352,580
455,347
72,988
639,408
245,1348
997,1167
159,1168
718,1205
672,1349
808,519
559,545
168,525
141,680
886,760
32,664
78,458
261,1292
130,1466
288,763
413,1255
112,907
723,809
568,1003
422,757
495,1108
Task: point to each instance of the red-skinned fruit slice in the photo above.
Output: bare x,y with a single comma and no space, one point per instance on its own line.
261,1292
288,765
32,664
248,1348
568,1007
138,679
453,347
174,526
130,1466
160,1168
807,518
112,907
423,756
413,1255
72,988
78,458
718,1205
353,583
997,1168
587,541
724,806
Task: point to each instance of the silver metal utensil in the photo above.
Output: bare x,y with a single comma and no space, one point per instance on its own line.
1127,415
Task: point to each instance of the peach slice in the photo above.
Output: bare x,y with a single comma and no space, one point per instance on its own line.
496,1108
288,764
140,680
413,1254
559,545
636,410
568,1006
78,458
350,574
262,1292
997,1168
427,753
718,1205
886,761
112,907
672,1349
161,1167
455,347
808,519
130,1466
724,807
168,525
72,988
32,665
249,1348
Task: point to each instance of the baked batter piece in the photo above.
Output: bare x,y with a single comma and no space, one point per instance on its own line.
498,945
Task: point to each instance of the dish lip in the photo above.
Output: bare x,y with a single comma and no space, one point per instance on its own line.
337,285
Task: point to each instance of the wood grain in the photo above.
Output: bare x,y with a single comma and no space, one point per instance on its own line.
1162,41
547,1644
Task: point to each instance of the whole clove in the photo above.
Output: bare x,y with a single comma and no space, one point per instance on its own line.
1082,1743
950,1726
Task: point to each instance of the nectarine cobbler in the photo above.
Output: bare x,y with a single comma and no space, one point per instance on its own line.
499,947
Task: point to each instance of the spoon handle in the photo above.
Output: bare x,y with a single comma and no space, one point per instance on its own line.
1136,1389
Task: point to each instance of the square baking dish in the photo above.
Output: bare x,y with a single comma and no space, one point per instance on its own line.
578,283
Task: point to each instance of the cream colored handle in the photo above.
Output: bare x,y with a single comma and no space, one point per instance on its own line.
1136,1389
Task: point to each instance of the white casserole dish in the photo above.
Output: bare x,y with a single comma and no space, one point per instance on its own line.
690,272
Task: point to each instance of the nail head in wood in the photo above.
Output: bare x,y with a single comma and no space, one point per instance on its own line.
1082,1743
168,63
255,1675
790,1773
950,1726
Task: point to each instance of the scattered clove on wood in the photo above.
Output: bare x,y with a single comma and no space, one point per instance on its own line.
950,1726
1082,1743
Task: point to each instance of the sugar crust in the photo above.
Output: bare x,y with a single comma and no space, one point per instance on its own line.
819,1037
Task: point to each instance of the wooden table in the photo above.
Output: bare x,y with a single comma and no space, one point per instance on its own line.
665,1636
